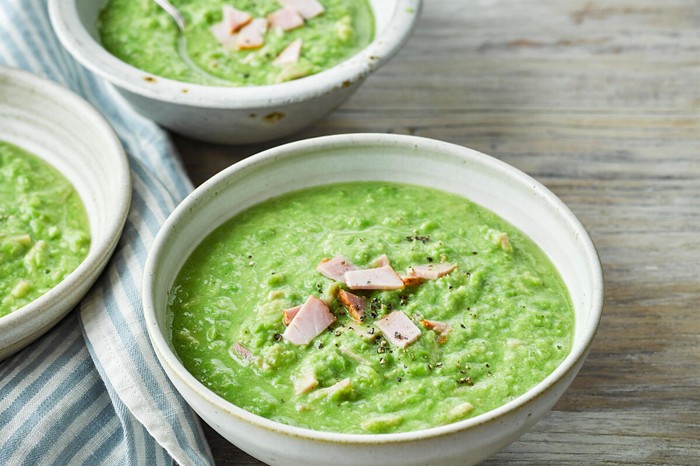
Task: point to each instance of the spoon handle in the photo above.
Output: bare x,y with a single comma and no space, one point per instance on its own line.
174,12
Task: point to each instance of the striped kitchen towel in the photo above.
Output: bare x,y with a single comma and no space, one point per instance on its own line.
91,390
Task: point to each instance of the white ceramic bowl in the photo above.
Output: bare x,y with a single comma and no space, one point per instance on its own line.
495,185
64,130
226,114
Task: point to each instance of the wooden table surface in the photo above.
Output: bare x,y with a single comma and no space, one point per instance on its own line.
600,101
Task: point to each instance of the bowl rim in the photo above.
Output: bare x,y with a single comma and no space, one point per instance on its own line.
166,355
101,250
86,50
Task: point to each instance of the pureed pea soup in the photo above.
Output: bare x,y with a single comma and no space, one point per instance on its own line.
469,314
237,42
44,231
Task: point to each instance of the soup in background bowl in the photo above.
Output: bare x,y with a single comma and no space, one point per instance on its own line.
63,131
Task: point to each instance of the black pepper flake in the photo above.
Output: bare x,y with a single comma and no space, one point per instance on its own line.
462,325
422,238
438,364
430,259
277,337
320,345
465,380
474,253
398,336
398,379
337,333
371,331
403,299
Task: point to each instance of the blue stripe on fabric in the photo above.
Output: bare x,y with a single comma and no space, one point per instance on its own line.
33,388
10,365
76,375
76,405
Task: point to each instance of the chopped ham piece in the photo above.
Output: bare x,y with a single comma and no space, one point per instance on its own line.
222,32
335,268
311,320
306,8
381,261
285,19
289,55
356,305
340,387
439,327
420,273
252,35
289,314
398,329
304,382
241,354
380,278
235,19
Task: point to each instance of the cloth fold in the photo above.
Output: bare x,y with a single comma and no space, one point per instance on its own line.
91,390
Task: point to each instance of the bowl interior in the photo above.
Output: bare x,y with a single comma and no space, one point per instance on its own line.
522,201
62,129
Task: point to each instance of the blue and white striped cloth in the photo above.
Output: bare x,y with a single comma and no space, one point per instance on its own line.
91,390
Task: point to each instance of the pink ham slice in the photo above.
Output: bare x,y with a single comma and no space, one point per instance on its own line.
335,268
285,19
289,314
381,261
289,55
235,19
356,305
222,33
312,319
306,8
380,278
398,329
421,273
440,328
252,35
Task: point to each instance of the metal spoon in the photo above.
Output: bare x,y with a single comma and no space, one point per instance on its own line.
175,14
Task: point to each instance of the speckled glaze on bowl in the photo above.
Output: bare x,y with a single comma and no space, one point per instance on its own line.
235,115
64,130
495,185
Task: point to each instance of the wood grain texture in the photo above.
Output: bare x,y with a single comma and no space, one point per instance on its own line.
600,101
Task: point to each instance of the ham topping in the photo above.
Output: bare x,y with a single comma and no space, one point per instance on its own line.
356,305
335,268
380,278
311,320
335,390
398,329
285,19
235,19
421,273
305,382
290,54
222,32
381,261
289,314
251,36
306,8
439,327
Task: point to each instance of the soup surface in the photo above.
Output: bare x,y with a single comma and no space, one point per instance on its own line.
44,231
141,34
496,322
